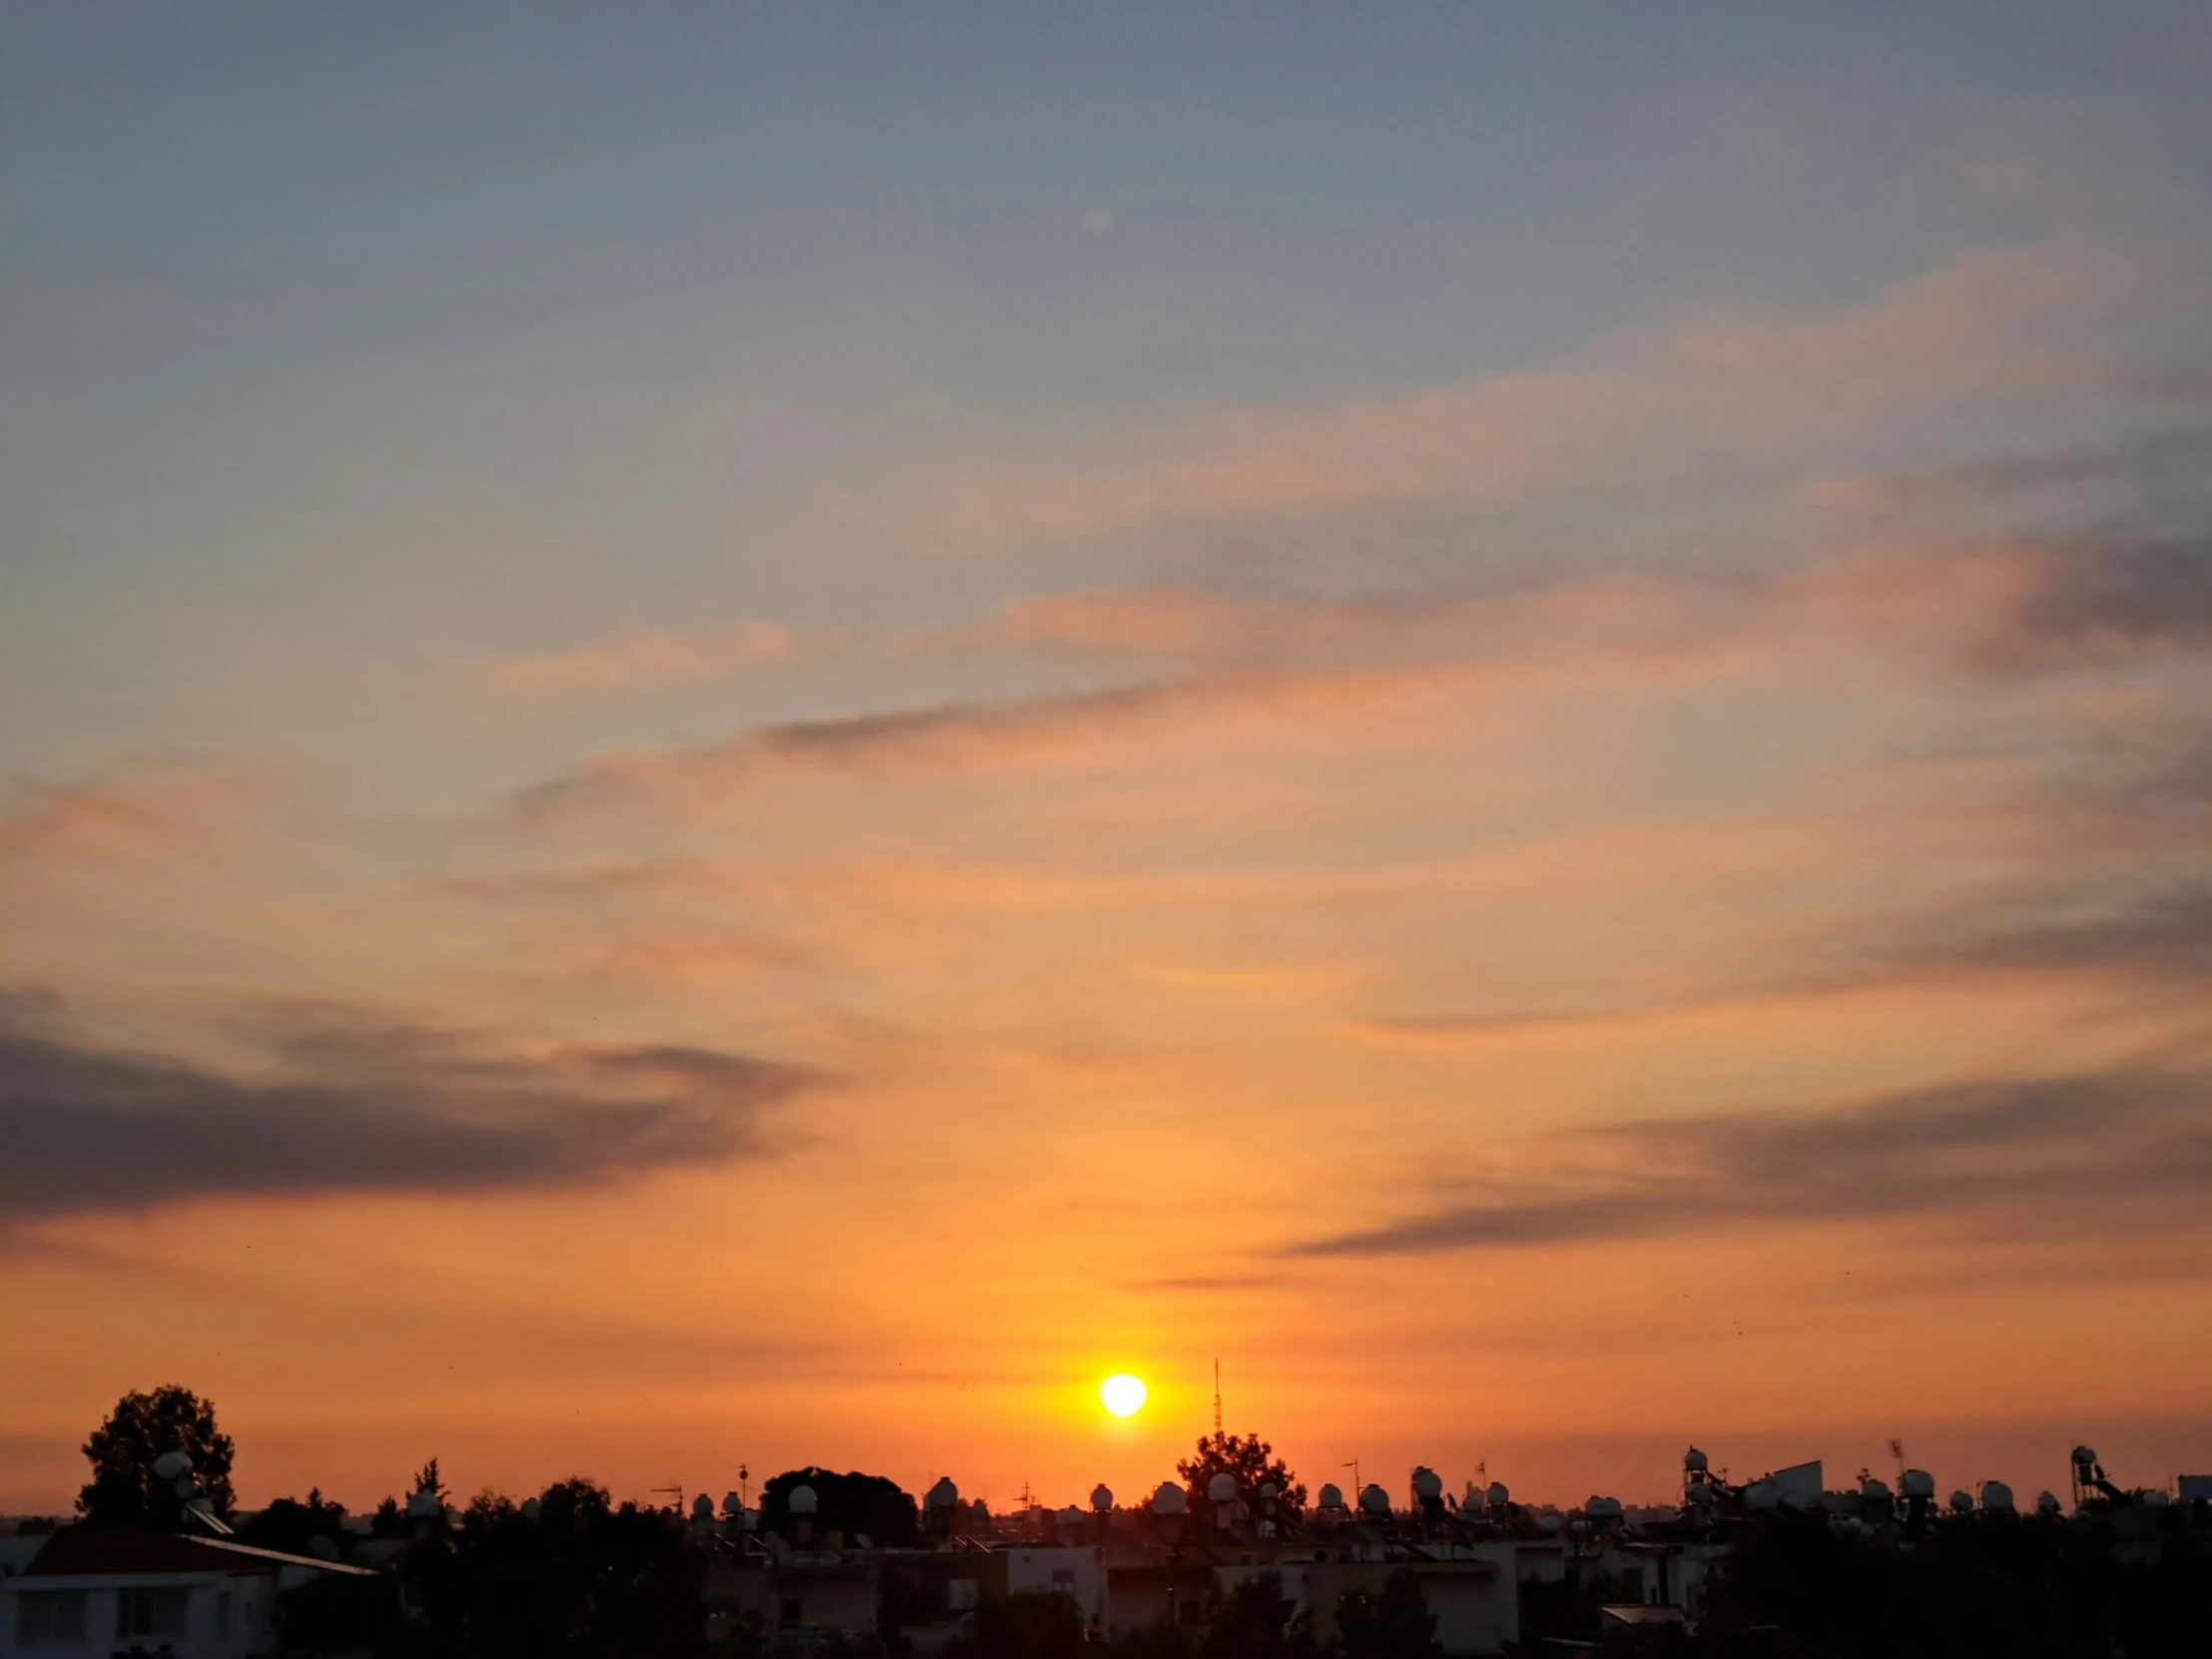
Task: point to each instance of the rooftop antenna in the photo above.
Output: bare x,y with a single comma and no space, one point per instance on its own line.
1356,1489
1216,1396
1896,1450
678,1492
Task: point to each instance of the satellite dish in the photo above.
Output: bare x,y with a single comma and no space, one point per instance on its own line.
1427,1485
184,1485
1497,1493
1102,1497
1269,1491
982,1512
425,1505
1918,1483
703,1507
1332,1496
804,1502
532,1508
1997,1495
1873,1489
1169,1499
1695,1461
944,1495
1070,1516
1222,1488
731,1505
2046,1503
170,1464
1374,1499
1961,1503
1703,1492
322,1548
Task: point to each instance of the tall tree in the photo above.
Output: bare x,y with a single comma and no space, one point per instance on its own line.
293,1526
124,1491
1396,1624
1247,1458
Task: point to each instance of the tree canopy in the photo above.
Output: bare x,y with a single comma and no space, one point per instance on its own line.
850,1503
124,1491
583,1579
292,1525
1394,1624
1250,1459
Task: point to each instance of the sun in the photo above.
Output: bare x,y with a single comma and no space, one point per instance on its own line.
1122,1395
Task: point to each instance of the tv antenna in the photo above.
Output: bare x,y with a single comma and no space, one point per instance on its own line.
678,1491
1217,1398
1356,1489
1896,1450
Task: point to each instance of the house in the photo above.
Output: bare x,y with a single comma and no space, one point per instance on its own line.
92,1591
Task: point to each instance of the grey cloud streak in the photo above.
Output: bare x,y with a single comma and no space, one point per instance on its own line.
91,1130
2168,937
2124,1150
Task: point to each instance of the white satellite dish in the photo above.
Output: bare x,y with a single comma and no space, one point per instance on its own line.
803,1500
170,1464
1102,1497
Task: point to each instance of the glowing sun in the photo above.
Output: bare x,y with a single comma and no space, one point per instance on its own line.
1122,1395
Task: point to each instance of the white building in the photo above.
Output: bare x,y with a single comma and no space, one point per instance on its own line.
92,1591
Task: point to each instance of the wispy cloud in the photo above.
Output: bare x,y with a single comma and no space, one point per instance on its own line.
637,659
1999,320
2010,605
359,1107
2164,940
2126,1150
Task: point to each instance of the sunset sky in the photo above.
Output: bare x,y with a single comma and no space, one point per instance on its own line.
761,734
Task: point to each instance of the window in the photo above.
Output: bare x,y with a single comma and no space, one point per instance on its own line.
160,1613
50,1618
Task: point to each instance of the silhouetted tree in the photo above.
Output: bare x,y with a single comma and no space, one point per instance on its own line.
1246,1457
1396,1624
1973,1585
1047,1626
293,1526
849,1503
1256,1620
581,1580
124,1489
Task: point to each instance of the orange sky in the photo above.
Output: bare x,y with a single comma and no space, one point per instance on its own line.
1540,901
